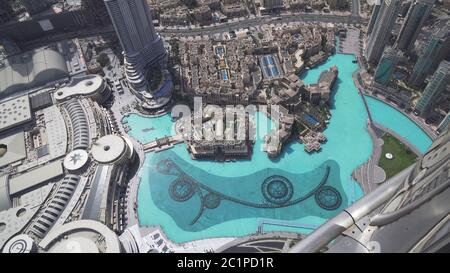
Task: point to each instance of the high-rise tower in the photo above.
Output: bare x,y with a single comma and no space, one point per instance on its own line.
382,30
143,47
437,49
374,16
437,84
416,17
386,66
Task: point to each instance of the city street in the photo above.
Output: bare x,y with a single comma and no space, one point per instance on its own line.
314,18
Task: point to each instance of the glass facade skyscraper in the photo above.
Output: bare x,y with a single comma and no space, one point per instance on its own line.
386,66
437,84
437,49
416,17
141,44
382,30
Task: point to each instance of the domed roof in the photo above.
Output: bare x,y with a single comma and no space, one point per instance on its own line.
108,149
19,244
75,160
31,69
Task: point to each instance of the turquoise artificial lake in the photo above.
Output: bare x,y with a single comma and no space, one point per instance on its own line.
192,200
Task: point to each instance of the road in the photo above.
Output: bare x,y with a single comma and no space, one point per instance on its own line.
214,29
253,22
356,8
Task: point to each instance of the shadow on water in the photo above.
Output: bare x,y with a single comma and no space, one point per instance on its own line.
334,91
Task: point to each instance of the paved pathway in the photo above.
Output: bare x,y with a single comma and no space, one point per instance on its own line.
314,18
417,120
366,174
370,175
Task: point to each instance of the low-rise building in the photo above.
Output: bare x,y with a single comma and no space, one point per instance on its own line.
320,92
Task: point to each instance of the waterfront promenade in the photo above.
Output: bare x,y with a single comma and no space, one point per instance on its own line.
417,120
369,175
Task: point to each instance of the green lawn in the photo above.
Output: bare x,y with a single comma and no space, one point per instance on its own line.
403,156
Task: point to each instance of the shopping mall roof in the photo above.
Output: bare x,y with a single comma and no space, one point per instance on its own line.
31,69
35,177
13,148
21,243
108,149
14,112
5,200
81,236
84,86
76,159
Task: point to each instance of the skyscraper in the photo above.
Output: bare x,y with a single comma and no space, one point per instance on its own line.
437,49
374,16
142,46
382,30
386,66
437,84
416,17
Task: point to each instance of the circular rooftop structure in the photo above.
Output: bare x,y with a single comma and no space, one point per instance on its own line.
19,244
89,86
110,149
75,244
76,160
83,236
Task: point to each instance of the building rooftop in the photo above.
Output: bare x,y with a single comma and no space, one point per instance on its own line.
31,69
108,149
14,146
19,244
14,112
76,159
35,177
87,236
84,86
5,200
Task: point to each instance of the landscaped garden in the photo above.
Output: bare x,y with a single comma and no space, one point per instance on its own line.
395,156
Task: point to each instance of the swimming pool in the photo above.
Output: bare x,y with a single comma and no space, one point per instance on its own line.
224,74
310,119
270,67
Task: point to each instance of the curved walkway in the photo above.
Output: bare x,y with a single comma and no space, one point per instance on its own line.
363,91
365,174
369,175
